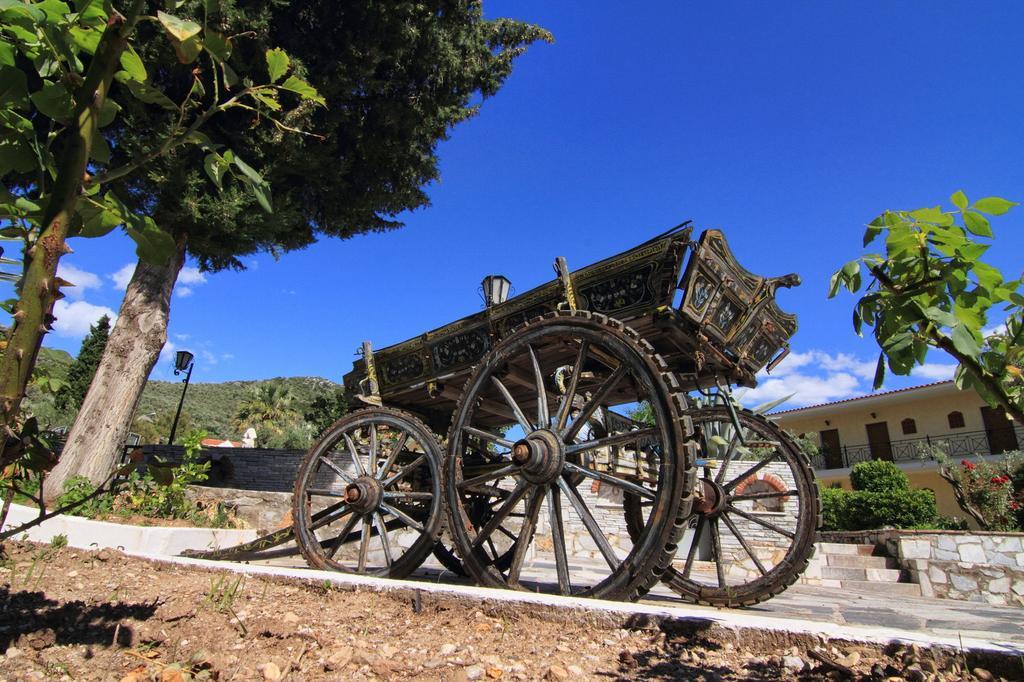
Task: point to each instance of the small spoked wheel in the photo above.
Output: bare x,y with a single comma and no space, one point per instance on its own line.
756,513
368,495
537,455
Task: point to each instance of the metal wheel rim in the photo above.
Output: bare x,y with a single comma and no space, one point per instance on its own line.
772,572
629,573
391,537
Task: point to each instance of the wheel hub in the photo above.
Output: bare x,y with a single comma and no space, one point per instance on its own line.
711,498
541,456
364,494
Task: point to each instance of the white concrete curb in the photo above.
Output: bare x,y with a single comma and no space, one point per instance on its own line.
165,543
726,618
141,540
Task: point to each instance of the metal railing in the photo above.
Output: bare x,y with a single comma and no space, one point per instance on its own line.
964,444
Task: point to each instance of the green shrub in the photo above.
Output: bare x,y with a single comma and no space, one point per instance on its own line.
864,510
78,488
878,476
833,508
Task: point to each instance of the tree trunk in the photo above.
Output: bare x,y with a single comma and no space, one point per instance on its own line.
96,438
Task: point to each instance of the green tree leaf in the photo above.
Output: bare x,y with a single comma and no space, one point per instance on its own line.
964,341
53,101
959,199
133,66
218,46
303,89
277,64
994,205
879,372
179,29
977,224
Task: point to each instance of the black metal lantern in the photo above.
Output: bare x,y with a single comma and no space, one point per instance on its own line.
182,359
496,289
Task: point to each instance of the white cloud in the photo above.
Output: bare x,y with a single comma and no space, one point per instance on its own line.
80,278
228,356
167,352
188,279
75,318
934,371
806,389
190,275
182,337
123,276
208,357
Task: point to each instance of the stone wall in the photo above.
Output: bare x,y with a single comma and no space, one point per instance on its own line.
253,469
977,566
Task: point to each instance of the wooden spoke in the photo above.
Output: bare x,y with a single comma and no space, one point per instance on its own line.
364,544
595,401
372,466
385,541
489,437
692,554
337,469
743,543
525,534
752,470
589,522
724,464
323,492
503,511
611,480
558,539
609,441
570,391
329,515
513,405
407,495
405,471
764,496
489,476
355,455
716,542
401,516
342,536
393,456
761,522
543,419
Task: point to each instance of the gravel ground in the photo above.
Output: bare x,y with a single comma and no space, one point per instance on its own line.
74,615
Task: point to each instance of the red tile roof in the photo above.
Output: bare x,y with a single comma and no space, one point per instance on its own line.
863,397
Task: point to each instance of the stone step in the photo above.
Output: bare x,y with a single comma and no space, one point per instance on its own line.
883,575
845,548
893,589
859,561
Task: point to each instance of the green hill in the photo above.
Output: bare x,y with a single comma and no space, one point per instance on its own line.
210,406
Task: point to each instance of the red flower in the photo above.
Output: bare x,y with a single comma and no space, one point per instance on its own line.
1014,506
970,466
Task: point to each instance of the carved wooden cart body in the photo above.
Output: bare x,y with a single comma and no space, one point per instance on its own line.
577,438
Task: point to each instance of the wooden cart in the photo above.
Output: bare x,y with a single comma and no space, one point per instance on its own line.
578,438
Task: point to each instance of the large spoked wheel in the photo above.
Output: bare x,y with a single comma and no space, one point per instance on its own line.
368,495
755,516
524,471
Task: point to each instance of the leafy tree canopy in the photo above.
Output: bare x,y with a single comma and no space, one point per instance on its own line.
932,289
79,376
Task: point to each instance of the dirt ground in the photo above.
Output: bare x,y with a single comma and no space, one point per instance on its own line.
68,614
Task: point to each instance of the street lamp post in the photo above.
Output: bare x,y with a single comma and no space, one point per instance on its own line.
182,362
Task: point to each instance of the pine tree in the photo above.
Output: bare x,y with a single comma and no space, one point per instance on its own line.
80,374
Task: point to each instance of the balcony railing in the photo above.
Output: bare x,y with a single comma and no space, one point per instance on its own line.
964,444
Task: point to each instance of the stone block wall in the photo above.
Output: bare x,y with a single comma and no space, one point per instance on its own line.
253,469
974,566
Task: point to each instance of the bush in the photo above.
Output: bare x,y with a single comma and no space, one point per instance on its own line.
865,510
878,476
833,508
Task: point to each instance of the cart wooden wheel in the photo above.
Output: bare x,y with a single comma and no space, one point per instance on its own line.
368,495
515,447
755,517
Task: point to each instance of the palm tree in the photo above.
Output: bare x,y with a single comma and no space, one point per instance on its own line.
267,406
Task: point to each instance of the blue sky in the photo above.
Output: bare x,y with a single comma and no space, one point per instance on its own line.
788,125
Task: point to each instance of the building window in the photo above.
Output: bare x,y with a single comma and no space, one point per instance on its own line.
956,420
909,426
